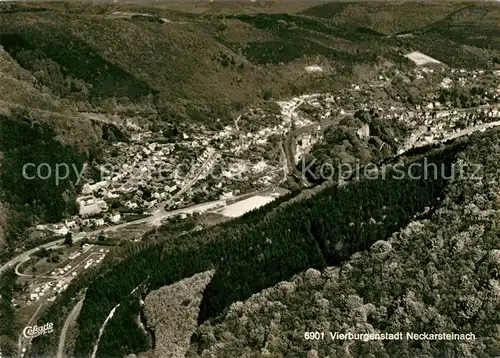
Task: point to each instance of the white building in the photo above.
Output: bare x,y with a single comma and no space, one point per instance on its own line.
226,196
90,205
114,218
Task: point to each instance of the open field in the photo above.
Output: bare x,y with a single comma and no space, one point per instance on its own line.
240,208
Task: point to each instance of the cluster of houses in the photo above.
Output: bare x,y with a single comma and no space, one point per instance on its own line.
148,172
436,120
430,121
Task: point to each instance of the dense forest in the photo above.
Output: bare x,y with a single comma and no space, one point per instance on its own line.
89,57
313,233
124,324
74,57
190,72
292,31
62,68
439,274
24,140
7,312
164,237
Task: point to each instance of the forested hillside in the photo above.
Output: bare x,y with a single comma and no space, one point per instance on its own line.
436,275
24,141
258,250
35,128
461,34
208,66
7,312
187,67
186,70
191,67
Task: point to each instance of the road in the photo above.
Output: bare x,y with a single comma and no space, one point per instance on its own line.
77,237
194,179
21,336
416,143
25,255
470,130
159,214
154,219
16,270
69,320
162,214
289,146
157,217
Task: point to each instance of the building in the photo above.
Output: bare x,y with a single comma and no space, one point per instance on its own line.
226,196
89,205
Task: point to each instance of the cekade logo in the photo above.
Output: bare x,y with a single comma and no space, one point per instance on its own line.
35,331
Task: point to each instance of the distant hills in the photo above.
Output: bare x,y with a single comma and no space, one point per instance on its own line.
189,64
209,65
186,65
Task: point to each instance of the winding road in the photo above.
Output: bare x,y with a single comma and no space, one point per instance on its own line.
289,146
154,219
69,320
161,213
21,335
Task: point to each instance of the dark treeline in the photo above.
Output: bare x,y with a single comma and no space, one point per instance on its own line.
293,39
23,140
124,324
67,65
166,263
56,313
253,255
7,329
371,210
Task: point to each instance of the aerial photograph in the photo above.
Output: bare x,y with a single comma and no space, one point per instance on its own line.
249,178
